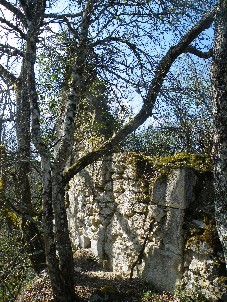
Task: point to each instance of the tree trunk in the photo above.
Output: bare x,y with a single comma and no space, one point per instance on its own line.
58,249
62,237
57,242
31,232
219,91
56,277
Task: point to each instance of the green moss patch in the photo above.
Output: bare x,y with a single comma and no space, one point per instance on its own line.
148,167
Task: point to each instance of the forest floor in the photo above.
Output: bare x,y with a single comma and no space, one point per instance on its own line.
95,285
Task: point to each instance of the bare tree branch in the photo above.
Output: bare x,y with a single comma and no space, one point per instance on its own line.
71,29
15,11
7,76
14,27
199,53
62,16
132,46
27,9
10,50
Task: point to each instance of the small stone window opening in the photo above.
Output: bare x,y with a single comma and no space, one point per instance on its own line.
87,242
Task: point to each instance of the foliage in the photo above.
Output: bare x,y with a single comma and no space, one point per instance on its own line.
96,116
195,296
182,119
15,268
149,296
180,296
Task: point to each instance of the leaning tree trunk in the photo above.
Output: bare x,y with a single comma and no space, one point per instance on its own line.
219,90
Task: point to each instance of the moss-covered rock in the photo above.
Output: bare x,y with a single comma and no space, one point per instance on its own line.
148,167
208,235
198,162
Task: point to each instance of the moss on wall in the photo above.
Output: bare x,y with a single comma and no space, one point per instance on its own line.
207,234
147,167
199,162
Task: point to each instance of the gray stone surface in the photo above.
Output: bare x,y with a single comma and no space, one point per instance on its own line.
113,209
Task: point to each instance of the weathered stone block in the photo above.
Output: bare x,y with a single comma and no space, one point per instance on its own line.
175,189
162,268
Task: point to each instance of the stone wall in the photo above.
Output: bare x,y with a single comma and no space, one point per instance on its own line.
154,224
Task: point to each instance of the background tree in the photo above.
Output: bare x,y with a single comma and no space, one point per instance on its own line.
219,97
182,119
113,42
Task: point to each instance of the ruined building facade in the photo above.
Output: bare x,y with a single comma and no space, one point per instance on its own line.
153,221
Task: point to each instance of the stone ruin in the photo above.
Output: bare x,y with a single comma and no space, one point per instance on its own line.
153,223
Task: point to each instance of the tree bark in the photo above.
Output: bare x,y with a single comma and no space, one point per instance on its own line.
219,97
62,237
56,276
57,243
31,232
